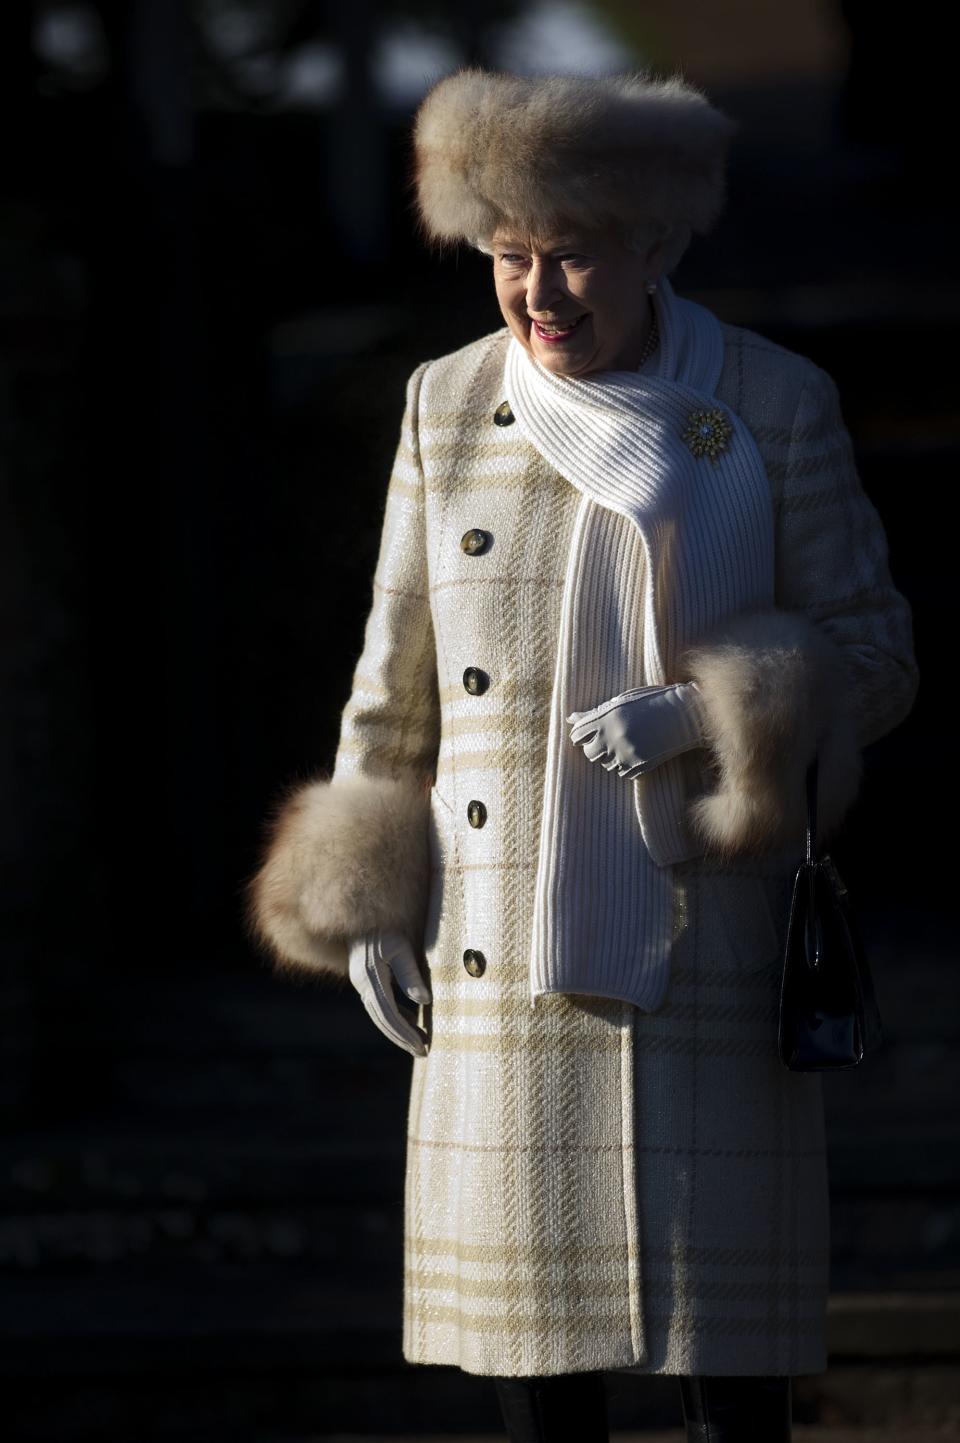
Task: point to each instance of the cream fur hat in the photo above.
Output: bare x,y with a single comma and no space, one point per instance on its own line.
542,153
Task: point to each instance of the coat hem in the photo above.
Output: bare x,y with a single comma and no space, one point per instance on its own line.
811,1366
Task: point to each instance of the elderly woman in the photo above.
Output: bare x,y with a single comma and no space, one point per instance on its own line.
628,585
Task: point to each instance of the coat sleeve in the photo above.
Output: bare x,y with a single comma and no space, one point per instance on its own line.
348,852
830,668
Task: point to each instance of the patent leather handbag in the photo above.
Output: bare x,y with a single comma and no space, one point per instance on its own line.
828,1012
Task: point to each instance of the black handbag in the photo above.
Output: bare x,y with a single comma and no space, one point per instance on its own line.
828,1013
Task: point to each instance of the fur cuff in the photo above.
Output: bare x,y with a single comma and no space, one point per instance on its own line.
773,691
344,857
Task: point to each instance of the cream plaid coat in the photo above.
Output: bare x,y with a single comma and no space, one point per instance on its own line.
589,1185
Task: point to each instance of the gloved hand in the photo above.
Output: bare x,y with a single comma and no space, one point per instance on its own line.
376,959
637,730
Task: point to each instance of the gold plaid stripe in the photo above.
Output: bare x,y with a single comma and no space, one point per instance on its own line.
361,710
403,593
391,759
507,1040
509,690
714,1291
769,437
765,1011
436,419
489,760
843,601
755,1257
822,499
472,582
457,865
765,1326
534,1319
464,725
481,450
575,1253
707,976
549,1150
480,484
521,1324
733,1152
835,462
496,1289
515,1000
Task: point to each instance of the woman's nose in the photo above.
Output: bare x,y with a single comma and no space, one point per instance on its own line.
542,288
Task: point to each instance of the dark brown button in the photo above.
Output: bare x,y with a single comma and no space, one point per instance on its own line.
474,541
503,416
475,680
476,814
475,962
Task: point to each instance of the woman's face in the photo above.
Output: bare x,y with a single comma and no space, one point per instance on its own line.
585,287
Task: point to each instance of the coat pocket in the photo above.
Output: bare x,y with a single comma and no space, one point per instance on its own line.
441,811
744,917
441,820
442,844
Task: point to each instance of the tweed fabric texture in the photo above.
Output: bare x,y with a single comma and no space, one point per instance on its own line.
589,1185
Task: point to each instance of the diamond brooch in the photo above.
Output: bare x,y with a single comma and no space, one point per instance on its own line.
707,433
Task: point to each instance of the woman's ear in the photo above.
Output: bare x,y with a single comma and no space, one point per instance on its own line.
653,260
670,248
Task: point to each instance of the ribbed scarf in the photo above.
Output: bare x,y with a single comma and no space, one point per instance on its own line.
665,545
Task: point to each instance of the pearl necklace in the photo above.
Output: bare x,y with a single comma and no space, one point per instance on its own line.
651,343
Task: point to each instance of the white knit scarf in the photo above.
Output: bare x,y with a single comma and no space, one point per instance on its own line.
665,544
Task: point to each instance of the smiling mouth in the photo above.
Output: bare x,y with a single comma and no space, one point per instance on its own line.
557,332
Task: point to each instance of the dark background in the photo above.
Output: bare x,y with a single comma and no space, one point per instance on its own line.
211,294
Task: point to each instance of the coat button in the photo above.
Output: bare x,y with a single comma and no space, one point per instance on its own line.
474,540
475,680
476,814
475,962
503,416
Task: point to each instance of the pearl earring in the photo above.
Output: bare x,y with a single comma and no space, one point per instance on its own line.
651,287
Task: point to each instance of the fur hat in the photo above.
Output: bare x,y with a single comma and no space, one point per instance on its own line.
542,153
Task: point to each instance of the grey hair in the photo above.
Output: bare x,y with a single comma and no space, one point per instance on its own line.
673,241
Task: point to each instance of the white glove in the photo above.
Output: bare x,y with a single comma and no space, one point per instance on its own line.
637,730
376,959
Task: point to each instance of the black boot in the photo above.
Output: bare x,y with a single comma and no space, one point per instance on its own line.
563,1408
736,1409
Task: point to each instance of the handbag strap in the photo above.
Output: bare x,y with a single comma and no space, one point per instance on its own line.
812,810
